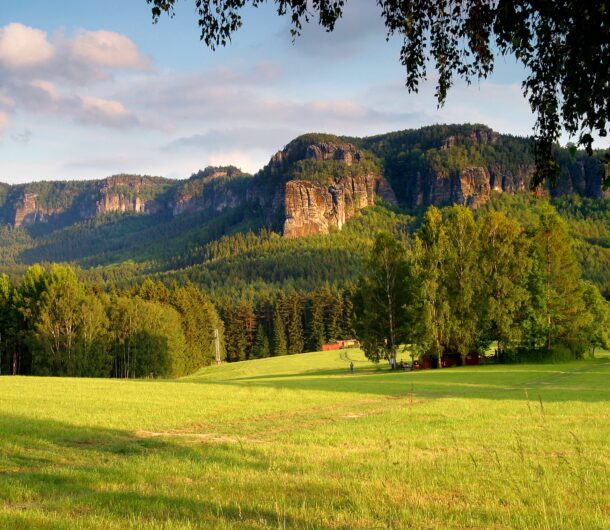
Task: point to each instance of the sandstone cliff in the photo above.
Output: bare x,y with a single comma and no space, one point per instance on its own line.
27,211
319,182
129,193
465,164
315,208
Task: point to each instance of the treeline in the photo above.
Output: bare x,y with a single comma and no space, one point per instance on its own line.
286,322
461,284
53,324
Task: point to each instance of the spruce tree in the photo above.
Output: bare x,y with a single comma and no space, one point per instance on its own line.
296,342
261,344
316,325
280,346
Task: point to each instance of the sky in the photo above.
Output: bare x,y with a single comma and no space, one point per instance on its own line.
91,89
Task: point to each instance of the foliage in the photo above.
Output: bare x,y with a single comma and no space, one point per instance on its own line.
462,39
382,299
54,324
482,281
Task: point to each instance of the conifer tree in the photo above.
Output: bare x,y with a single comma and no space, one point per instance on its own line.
296,343
280,346
261,347
316,324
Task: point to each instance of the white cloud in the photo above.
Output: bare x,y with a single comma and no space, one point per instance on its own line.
106,112
105,106
23,47
42,76
108,49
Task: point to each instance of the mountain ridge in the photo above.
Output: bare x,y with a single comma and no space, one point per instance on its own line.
318,181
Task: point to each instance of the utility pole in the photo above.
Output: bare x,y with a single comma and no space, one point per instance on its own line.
217,345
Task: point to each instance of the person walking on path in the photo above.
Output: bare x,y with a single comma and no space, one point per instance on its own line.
351,367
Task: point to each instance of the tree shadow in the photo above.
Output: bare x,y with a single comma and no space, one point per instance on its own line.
60,470
578,381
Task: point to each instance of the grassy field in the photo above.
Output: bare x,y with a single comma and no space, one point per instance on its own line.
297,442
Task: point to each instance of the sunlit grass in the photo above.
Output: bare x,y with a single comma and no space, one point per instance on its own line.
298,442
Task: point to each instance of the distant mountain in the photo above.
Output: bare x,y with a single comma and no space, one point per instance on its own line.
313,186
318,181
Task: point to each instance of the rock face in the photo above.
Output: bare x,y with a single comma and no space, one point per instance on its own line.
316,183
124,194
315,208
27,211
345,153
474,186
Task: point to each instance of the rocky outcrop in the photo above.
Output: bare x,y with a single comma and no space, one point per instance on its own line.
316,208
127,193
215,198
584,177
343,152
473,188
317,182
27,211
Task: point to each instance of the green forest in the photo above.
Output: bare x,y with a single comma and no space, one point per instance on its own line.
519,273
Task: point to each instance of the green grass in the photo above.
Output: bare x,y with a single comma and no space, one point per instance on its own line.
297,442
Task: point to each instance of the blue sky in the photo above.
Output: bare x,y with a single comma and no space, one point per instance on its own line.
90,89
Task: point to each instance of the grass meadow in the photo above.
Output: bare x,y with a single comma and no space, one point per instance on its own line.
298,442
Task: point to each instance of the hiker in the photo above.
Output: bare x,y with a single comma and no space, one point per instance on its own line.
351,367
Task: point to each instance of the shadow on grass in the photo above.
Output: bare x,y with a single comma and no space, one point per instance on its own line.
51,470
578,381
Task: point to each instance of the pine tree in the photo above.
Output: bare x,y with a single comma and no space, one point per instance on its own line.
280,346
261,344
296,343
247,328
316,324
